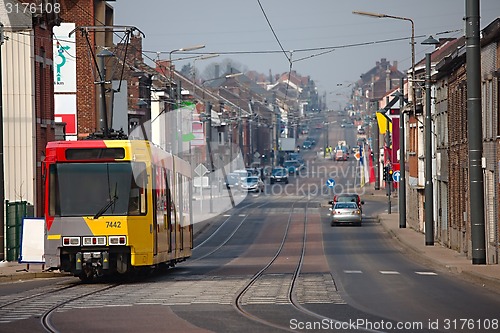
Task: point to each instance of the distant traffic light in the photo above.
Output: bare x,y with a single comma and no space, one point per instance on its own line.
388,174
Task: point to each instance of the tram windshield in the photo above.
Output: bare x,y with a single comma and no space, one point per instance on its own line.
96,189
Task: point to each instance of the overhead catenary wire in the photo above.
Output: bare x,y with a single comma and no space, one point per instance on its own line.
274,33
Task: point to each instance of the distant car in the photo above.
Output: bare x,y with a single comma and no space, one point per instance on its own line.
293,166
313,141
347,197
232,180
279,175
253,172
242,174
341,155
296,156
345,212
252,184
307,145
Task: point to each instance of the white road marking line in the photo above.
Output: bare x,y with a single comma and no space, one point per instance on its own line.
426,273
353,272
226,215
389,272
242,215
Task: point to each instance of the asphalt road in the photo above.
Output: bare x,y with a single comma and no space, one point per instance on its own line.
272,264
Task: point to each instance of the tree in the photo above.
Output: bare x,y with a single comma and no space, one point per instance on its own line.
187,71
226,66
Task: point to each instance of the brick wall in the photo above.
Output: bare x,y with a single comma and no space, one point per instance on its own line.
82,14
458,214
44,105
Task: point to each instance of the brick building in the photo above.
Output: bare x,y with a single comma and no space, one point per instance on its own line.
87,13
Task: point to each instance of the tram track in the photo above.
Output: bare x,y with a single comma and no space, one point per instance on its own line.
257,205
44,303
291,298
237,303
46,318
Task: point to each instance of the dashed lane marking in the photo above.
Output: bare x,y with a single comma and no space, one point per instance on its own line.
427,273
353,272
389,272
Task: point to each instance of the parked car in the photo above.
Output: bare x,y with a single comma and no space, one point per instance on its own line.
252,184
345,212
279,175
347,197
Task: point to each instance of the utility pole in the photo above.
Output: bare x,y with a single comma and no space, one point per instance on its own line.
179,119
277,142
429,201
240,135
388,183
376,150
208,111
402,157
475,132
2,181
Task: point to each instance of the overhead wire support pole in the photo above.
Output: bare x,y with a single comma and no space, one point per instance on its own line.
474,135
429,189
2,180
402,158
429,204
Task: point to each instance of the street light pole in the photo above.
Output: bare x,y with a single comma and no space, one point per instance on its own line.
429,204
474,135
377,15
429,200
179,91
204,57
2,184
402,158
402,150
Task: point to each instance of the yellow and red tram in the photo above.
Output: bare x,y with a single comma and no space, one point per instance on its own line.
115,206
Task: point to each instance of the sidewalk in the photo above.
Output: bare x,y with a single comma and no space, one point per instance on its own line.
436,256
14,271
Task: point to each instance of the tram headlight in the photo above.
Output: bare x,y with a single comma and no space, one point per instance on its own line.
71,241
117,240
94,241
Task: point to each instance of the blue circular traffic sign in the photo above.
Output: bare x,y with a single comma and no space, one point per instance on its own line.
330,183
396,176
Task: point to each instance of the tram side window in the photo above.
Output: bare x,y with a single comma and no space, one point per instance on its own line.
137,199
54,207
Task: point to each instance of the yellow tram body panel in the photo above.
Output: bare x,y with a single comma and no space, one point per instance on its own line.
161,233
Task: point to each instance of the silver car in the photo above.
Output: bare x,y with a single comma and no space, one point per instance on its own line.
252,184
345,212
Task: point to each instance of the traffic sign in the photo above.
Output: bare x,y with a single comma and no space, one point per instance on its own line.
330,183
396,176
201,170
357,155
